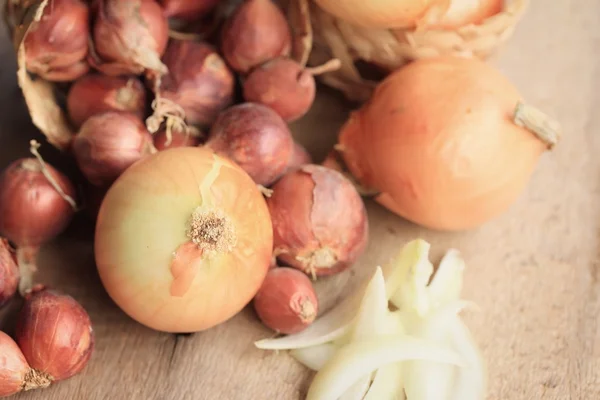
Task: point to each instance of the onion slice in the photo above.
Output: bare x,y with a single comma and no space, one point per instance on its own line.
314,357
388,384
359,358
447,282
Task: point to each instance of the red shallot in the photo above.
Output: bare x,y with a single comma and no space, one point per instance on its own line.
9,272
256,138
320,223
108,143
56,46
13,367
286,301
188,10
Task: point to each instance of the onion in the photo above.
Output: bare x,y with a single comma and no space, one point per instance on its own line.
381,13
108,143
463,12
56,46
95,93
9,272
300,157
183,240
188,10
447,142
286,301
256,138
198,81
36,205
129,37
13,367
256,33
319,220
165,139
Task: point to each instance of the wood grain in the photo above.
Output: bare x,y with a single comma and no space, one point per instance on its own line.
534,271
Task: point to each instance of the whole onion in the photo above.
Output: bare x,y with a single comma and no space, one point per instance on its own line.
56,46
129,37
198,81
108,143
188,10
9,272
95,93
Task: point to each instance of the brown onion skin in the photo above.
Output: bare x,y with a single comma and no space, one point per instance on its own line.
129,34
188,10
256,33
31,211
286,302
254,137
9,272
55,334
178,139
108,143
13,366
96,93
284,85
57,45
198,80
314,208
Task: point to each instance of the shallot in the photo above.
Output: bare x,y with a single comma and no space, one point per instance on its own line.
9,272
319,220
14,370
188,10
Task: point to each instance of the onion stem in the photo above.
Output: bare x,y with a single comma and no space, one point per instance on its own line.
545,128
34,146
330,66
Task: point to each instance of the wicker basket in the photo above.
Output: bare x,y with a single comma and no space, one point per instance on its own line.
389,49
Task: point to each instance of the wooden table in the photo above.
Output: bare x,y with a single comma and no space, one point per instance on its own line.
534,271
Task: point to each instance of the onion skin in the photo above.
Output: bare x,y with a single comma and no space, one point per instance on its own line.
198,80
448,159
108,143
129,37
56,46
94,93
13,366
320,223
256,138
32,211
464,12
188,290
283,85
178,139
286,301
9,273
55,334
188,10
256,33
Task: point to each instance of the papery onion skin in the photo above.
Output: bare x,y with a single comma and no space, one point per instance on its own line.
380,13
129,36
256,138
319,220
256,33
9,272
178,139
198,80
283,85
95,93
32,211
147,212
108,143
449,158
286,301
188,10
464,12
55,334
13,366
56,46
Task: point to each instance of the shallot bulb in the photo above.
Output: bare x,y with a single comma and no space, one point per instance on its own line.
96,93
36,205
55,335
300,157
188,10
129,37
56,46
108,144
320,223
198,81
9,272
256,138
256,33
286,301
14,370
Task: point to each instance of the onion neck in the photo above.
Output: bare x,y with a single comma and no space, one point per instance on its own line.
26,260
541,125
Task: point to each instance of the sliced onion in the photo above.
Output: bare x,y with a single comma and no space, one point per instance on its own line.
388,384
358,390
314,357
372,316
360,358
447,282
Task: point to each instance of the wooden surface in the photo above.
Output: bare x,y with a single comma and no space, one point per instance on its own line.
534,271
